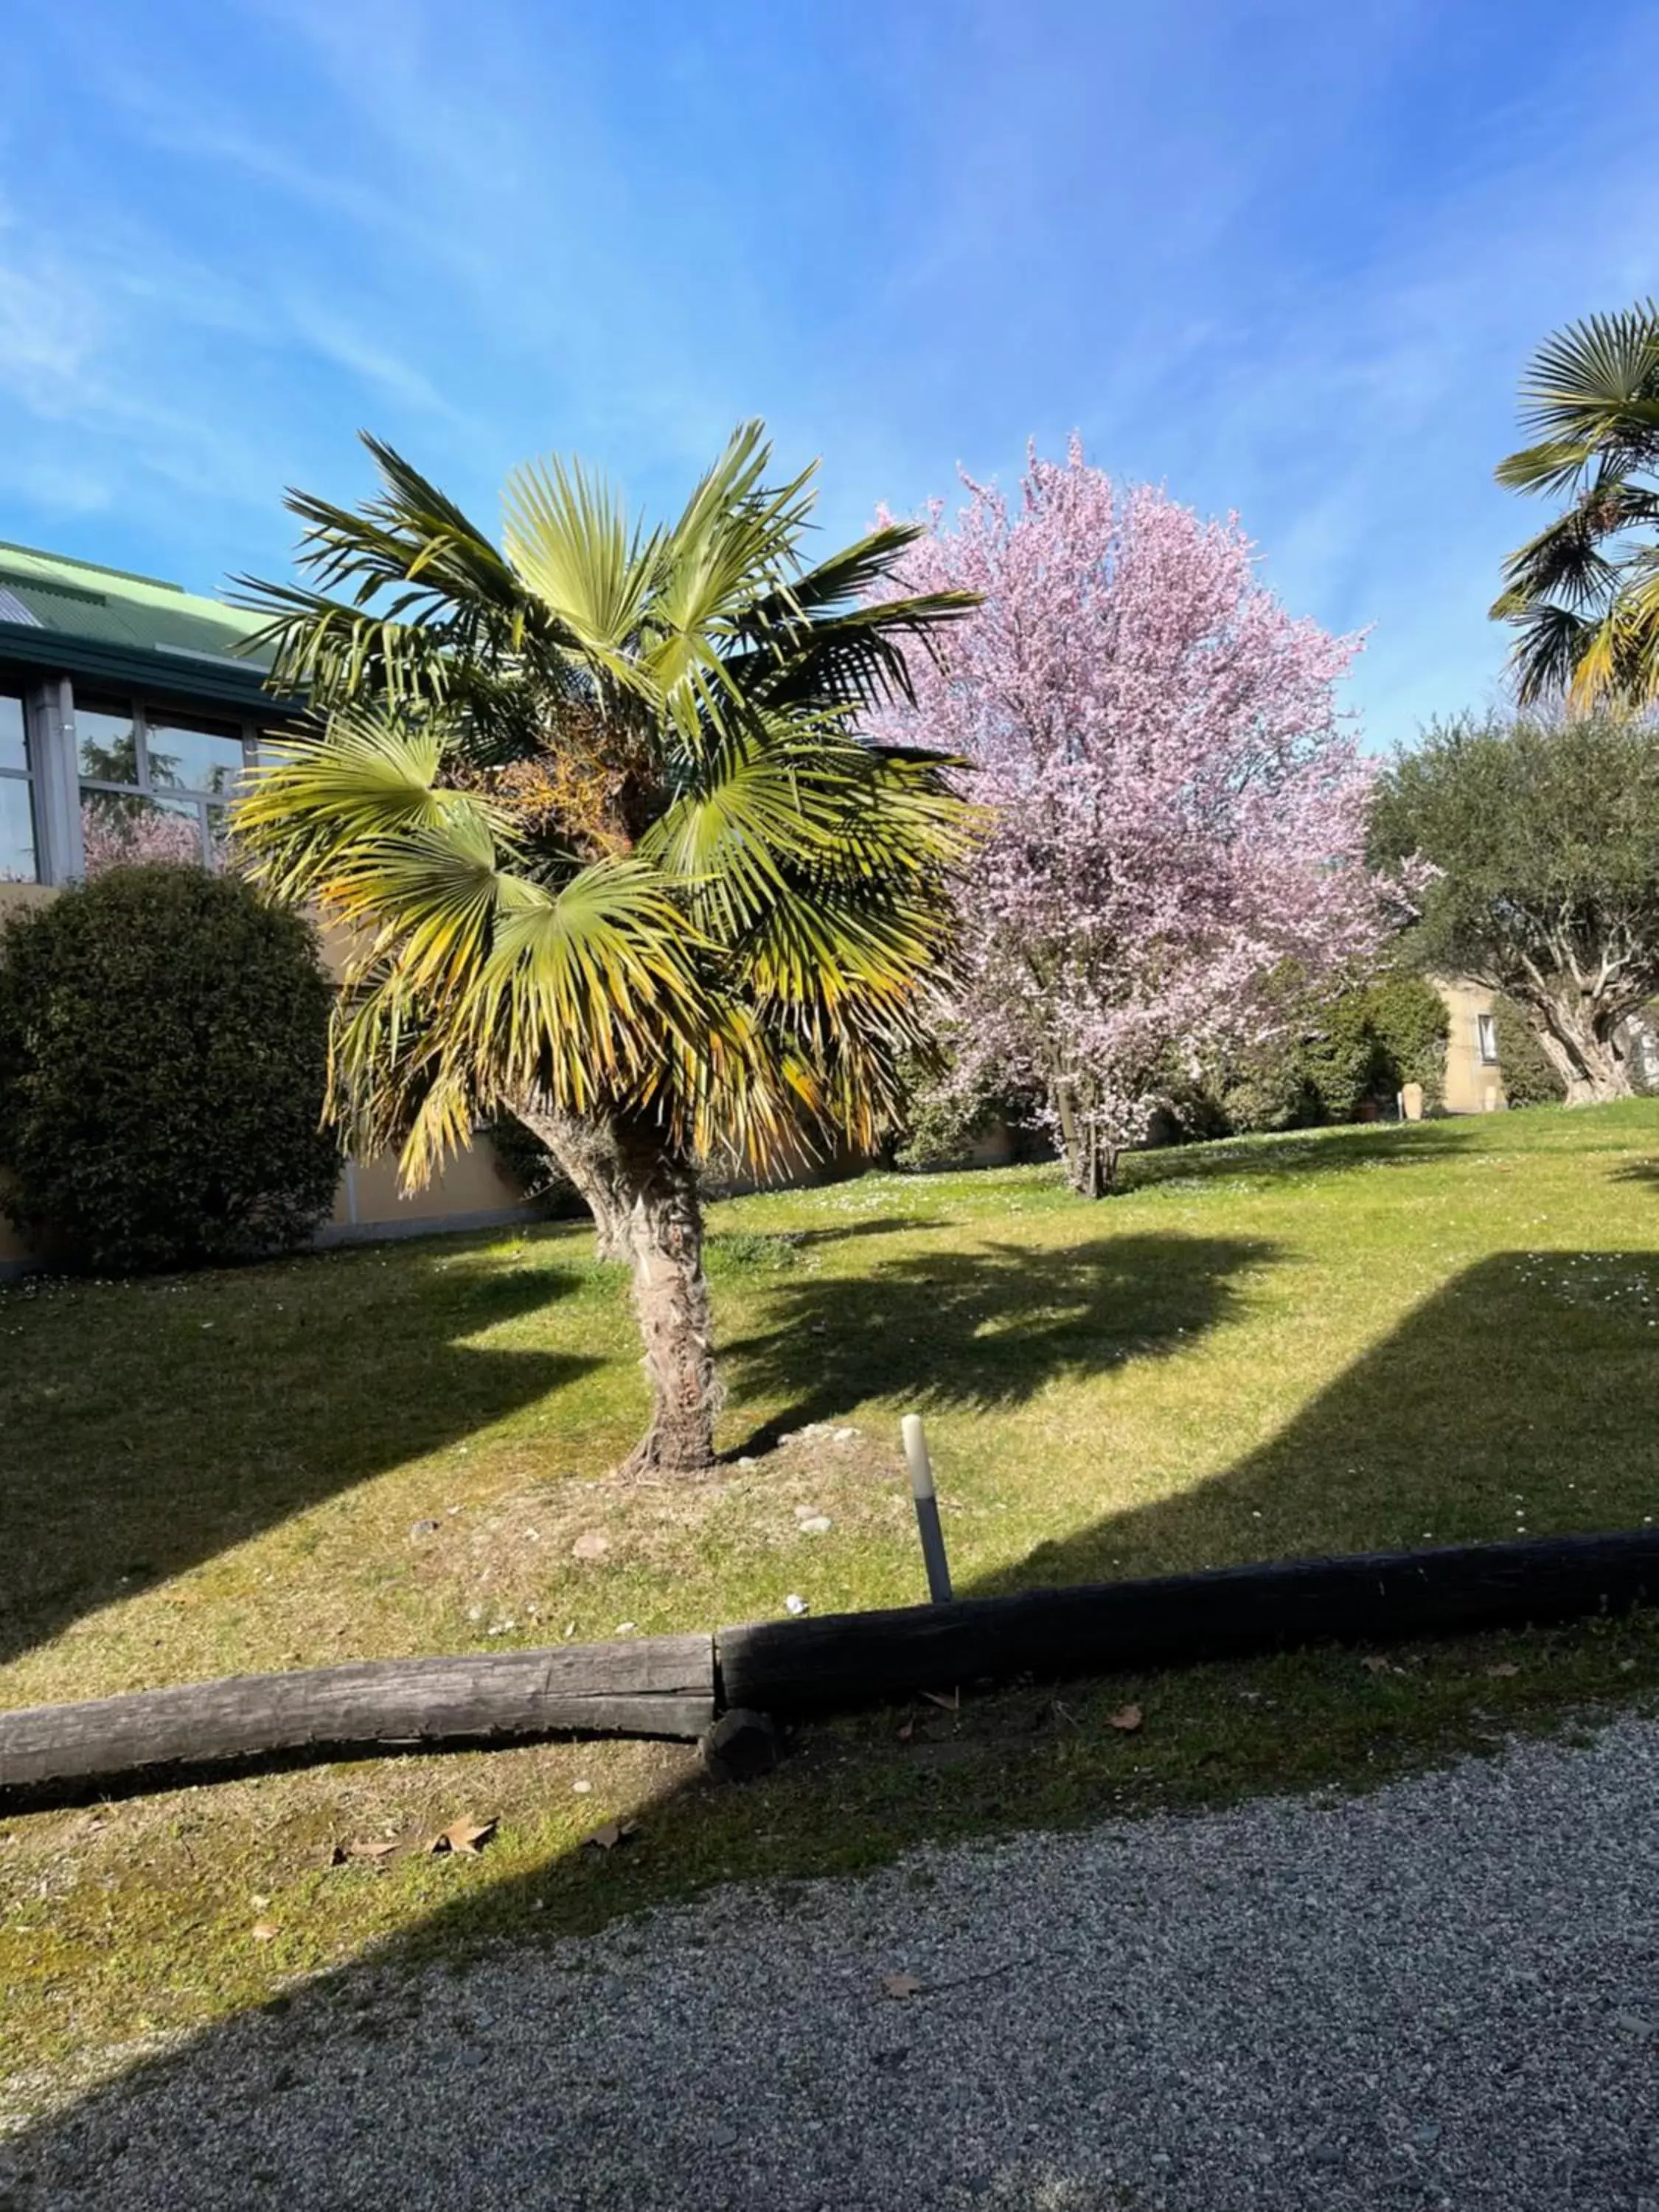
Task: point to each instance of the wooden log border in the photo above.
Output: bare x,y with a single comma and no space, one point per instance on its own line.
820,1666
654,1686
676,1685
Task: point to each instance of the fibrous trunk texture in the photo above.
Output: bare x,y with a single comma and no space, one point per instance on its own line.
642,1191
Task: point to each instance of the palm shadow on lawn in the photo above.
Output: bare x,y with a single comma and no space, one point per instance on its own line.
983,1327
330,1392
1518,1374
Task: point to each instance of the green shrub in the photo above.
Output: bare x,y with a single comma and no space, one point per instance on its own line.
1409,1020
1362,1046
945,1116
163,1058
1528,1079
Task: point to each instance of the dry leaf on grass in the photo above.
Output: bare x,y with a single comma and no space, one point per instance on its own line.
1126,1719
1374,1663
951,1704
1503,1670
466,1837
900,1985
613,1833
373,1854
907,1732
264,1931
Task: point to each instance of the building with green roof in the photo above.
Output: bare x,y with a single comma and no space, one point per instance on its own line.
129,708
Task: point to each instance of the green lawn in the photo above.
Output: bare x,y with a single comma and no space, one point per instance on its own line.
1352,1339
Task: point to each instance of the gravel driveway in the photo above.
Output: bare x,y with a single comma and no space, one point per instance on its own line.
1445,1995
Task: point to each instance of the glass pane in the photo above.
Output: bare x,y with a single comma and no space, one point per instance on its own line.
107,741
11,731
118,830
16,832
193,756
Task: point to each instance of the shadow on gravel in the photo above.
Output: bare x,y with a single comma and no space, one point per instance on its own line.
1524,1374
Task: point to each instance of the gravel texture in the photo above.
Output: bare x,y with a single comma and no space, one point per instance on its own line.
1444,1994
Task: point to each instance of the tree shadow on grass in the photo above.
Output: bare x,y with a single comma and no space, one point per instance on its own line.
140,1440
1522,1397
983,1327
1529,1374
1286,1156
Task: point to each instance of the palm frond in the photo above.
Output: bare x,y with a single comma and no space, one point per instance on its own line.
315,798
753,958
569,540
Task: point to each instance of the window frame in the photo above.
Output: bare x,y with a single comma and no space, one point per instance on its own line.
28,777
1485,1040
173,798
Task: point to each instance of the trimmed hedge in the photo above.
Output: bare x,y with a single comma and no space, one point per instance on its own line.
163,1061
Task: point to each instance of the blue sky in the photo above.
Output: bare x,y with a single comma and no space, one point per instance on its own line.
1287,259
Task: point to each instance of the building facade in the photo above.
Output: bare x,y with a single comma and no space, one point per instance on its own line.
129,709
1474,1080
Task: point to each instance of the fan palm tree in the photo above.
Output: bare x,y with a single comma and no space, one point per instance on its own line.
1583,594
593,812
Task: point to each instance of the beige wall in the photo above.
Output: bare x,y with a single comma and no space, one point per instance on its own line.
1472,1086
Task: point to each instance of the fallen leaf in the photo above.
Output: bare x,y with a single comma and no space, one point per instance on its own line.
263,1931
951,1704
907,1732
1374,1663
1126,1719
467,1837
375,1853
613,1833
900,1985
590,1546
1503,1670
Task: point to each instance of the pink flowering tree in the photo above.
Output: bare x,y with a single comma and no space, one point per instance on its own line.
121,832
1179,808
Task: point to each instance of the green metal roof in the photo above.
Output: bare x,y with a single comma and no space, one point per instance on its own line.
75,617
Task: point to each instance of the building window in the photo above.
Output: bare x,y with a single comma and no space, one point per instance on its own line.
154,786
19,855
1485,1035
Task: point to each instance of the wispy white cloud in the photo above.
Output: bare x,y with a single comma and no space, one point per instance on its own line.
1287,260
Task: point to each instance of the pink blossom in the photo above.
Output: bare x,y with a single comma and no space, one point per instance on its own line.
1180,806
121,833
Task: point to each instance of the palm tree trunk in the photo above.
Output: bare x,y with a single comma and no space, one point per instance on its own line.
670,1299
643,1194
588,1154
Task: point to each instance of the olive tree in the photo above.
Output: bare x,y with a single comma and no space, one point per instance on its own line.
1541,837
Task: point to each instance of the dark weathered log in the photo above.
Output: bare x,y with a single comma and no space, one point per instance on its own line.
660,1686
843,1659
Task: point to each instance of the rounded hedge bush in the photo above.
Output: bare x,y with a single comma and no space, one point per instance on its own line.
163,1059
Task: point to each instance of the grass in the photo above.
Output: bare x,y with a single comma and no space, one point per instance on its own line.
1332,1341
